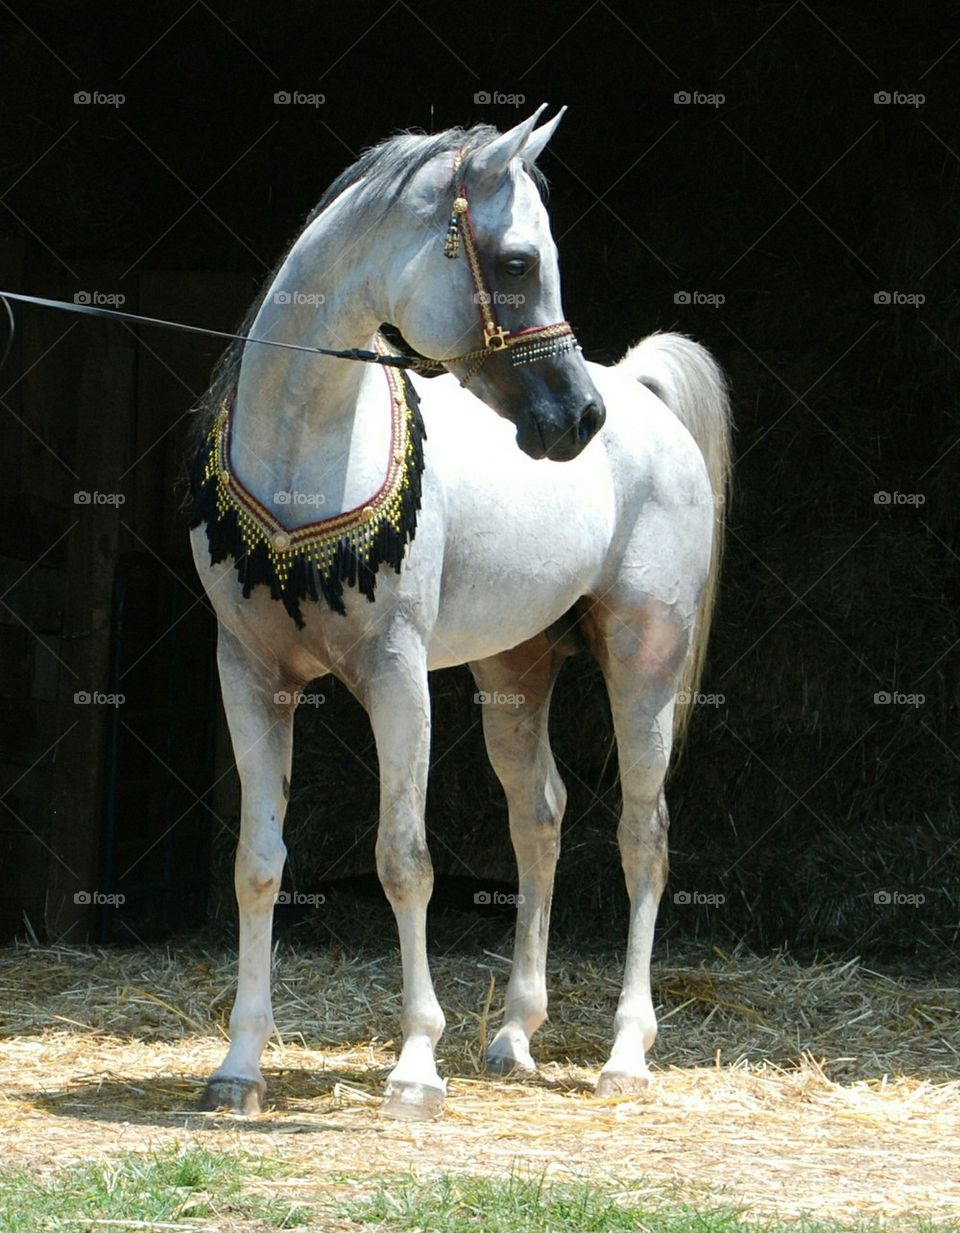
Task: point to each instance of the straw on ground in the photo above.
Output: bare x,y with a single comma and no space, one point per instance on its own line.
821,1088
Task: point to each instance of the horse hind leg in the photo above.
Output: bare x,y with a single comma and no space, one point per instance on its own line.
515,689
641,659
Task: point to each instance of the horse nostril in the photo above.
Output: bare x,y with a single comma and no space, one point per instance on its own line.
591,421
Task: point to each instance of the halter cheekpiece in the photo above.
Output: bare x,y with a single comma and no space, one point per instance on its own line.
537,342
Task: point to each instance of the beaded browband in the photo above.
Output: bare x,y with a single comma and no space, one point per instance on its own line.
537,342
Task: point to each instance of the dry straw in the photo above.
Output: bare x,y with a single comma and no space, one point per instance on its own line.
789,1088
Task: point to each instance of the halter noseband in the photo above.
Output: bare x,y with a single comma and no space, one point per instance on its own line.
537,342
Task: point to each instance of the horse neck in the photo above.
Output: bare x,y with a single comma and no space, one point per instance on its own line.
294,407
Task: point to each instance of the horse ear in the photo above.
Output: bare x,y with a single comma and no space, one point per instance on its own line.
491,160
536,142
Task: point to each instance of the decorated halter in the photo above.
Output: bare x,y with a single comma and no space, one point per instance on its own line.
316,560
538,342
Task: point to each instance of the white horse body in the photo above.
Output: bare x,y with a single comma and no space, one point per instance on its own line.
491,592
525,539
625,533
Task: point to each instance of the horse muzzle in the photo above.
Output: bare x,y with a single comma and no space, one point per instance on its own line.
545,436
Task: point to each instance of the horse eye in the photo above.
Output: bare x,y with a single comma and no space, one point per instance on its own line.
515,266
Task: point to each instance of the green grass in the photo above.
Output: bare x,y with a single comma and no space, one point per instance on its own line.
516,1204
167,1187
195,1187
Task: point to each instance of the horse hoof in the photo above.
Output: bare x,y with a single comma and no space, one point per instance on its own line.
619,1083
235,1095
503,1064
412,1102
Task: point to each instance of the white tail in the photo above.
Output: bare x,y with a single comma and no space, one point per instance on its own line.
688,379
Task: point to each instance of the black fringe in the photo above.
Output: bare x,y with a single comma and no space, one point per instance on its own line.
304,580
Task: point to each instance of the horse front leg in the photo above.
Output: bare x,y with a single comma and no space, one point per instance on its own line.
261,730
398,703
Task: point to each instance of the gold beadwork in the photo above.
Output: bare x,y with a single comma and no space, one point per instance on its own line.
316,542
451,245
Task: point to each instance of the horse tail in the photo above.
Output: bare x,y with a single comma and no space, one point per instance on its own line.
687,378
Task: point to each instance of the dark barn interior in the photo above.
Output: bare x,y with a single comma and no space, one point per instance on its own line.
781,182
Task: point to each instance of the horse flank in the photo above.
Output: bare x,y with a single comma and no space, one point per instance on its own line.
686,377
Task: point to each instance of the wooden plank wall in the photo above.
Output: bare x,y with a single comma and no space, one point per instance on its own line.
86,407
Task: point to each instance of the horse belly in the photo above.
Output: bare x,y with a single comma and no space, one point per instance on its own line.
520,550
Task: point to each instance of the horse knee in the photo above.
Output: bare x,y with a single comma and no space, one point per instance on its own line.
405,870
258,871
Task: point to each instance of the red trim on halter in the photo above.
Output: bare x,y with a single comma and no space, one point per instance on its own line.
495,337
476,275
538,329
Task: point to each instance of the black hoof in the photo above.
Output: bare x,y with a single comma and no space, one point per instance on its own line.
235,1095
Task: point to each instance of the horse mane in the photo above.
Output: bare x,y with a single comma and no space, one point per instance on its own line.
384,171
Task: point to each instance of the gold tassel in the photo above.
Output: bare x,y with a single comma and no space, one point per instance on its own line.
451,245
